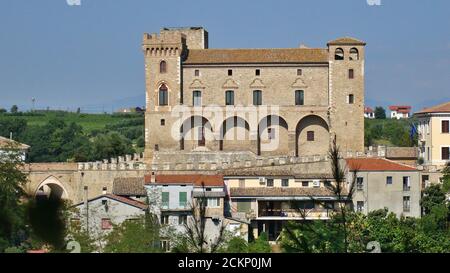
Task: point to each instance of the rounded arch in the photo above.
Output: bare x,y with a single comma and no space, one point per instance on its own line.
273,135
234,134
339,54
200,137
52,188
354,54
312,136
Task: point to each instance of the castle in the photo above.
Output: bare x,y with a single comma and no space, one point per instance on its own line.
258,103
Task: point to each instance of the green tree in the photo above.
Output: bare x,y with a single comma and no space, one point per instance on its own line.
432,196
446,178
134,236
110,145
236,245
12,180
2,110
380,112
260,245
14,109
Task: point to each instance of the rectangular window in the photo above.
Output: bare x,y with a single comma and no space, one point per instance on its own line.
359,183
182,219
163,97
244,206
299,97
163,122
213,202
165,199
156,147
445,125
285,182
351,99
106,224
406,183
197,98
182,198
196,72
269,182
389,180
299,72
305,184
310,135
406,203
360,206
229,97
257,97
445,153
257,72
351,74
230,72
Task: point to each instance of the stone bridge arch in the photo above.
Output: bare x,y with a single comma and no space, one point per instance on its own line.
52,187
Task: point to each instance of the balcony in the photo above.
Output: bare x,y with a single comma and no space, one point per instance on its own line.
286,210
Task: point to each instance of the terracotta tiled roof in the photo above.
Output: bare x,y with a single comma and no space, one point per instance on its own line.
129,186
280,192
346,41
249,56
195,179
273,171
6,143
376,164
441,108
368,110
124,200
399,107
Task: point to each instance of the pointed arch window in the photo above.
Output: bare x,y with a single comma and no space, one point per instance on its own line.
163,95
163,67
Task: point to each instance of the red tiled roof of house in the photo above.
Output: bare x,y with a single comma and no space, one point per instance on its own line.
346,41
400,108
376,164
441,108
368,110
248,56
122,199
195,179
8,143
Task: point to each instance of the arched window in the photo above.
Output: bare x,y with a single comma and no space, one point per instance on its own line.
163,95
229,97
162,67
299,97
339,54
197,98
354,54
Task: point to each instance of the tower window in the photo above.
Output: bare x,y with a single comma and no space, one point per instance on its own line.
257,72
196,72
162,67
163,95
354,54
351,74
163,122
310,136
299,97
257,97
197,98
339,54
230,72
229,97
299,72
156,147
351,99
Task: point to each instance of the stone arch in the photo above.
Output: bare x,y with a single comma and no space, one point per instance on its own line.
51,187
273,136
234,134
192,138
321,136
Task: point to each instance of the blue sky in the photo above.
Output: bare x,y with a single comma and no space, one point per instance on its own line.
89,55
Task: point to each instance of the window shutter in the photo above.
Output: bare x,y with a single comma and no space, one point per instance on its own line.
445,153
183,198
445,126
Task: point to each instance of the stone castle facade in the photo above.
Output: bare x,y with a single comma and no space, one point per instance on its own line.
262,102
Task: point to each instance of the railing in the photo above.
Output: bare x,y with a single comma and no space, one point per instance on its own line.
294,213
406,188
406,209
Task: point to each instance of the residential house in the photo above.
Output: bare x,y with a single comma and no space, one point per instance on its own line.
382,183
434,140
7,145
400,111
369,113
